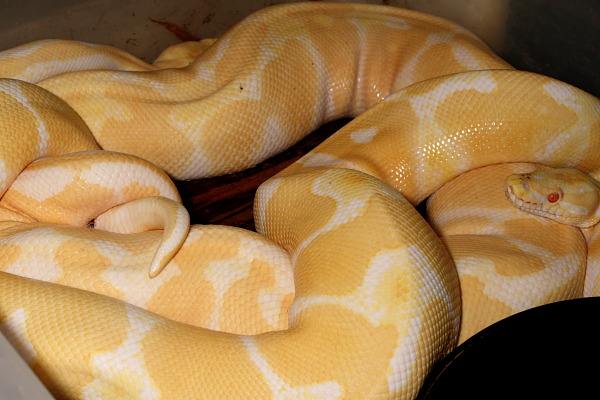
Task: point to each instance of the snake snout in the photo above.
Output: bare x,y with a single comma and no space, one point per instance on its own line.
515,184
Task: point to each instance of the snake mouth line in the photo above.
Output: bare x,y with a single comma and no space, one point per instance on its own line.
519,202
530,207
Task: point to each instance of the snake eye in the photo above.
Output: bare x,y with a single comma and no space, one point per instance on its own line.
553,197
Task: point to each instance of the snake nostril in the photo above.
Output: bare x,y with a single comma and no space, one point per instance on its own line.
525,185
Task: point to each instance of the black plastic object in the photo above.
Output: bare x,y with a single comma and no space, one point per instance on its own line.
548,352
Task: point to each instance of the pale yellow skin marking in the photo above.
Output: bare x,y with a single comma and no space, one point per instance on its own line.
377,296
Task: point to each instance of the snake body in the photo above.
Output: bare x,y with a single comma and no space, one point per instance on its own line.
507,260
249,70
377,296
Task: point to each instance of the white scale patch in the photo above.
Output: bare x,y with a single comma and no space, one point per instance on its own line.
98,109
425,105
345,211
14,328
102,173
284,275
562,94
251,87
367,301
282,390
43,184
42,131
410,69
266,191
518,296
134,285
556,147
36,267
314,159
459,213
275,137
197,164
25,50
43,70
3,176
127,359
362,136
466,57
399,24
130,270
208,71
222,275
32,262
404,364
404,361
576,209
592,274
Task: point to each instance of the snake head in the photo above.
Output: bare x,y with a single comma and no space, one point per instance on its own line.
565,195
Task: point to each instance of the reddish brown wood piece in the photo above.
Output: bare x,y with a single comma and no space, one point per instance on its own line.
176,30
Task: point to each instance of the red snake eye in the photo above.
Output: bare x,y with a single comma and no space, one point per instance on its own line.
553,197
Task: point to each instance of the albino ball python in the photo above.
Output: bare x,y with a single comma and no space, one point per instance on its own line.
377,299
